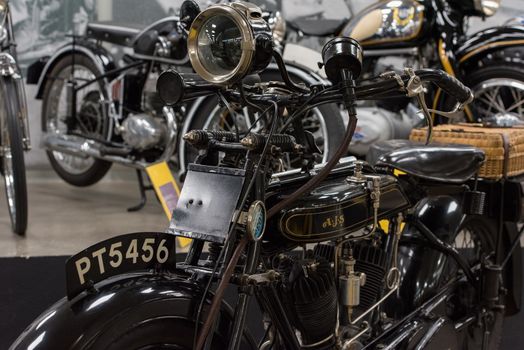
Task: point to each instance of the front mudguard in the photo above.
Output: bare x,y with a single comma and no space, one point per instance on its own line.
497,43
126,299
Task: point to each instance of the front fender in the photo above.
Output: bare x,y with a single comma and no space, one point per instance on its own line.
479,45
100,57
123,300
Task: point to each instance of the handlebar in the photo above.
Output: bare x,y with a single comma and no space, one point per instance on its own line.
448,83
175,87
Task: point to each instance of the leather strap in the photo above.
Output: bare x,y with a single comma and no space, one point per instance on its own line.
505,167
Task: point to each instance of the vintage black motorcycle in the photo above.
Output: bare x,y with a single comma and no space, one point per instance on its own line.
97,111
428,33
338,256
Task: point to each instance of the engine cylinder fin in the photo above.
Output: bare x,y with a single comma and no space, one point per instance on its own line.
371,261
310,297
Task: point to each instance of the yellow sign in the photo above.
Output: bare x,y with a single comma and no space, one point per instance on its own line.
167,191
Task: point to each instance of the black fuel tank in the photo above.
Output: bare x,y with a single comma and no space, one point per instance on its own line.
334,209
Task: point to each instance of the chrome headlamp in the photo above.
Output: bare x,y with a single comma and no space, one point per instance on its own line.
487,7
229,41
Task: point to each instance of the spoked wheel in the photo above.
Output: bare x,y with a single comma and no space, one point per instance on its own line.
499,94
90,121
12,155
475,242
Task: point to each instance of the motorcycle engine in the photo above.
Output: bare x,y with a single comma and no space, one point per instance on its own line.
146,130
143,131
312,299
378,124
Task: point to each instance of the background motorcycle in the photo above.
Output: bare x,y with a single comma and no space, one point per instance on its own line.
428,34
14,130
96,112
438,267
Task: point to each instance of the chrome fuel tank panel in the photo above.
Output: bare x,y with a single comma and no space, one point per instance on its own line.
390,22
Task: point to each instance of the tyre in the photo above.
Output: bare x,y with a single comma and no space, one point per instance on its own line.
13,166
90,122
324,122
475,241
499,93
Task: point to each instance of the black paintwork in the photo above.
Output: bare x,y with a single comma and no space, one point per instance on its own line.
421,266
318,27
334,209
119,302
435,162
500,35
35,70
95,274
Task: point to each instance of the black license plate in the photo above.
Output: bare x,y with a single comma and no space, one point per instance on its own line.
117,255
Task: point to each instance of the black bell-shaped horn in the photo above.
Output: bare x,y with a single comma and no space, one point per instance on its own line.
339,54
170,87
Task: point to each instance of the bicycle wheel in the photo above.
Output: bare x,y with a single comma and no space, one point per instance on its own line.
13,166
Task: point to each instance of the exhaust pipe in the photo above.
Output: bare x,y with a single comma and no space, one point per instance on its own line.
80,147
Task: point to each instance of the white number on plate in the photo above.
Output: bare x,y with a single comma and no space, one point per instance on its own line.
116,256
132,251
148,247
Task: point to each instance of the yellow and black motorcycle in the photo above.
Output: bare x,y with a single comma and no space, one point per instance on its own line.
428,33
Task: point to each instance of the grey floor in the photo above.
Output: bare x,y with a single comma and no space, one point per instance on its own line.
64,219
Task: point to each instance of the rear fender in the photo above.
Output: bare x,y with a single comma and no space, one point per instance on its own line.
490,42
420,265
100,57
126,299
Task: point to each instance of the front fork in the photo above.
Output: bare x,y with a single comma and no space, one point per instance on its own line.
245,291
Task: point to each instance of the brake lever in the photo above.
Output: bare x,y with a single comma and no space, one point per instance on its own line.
414,88
453,114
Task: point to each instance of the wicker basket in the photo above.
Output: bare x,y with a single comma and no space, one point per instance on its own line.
493,141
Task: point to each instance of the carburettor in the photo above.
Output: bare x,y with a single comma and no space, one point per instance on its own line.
349,282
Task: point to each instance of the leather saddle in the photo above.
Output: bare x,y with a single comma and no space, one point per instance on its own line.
318,27
449,163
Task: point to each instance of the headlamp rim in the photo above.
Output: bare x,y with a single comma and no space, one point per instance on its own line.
248,44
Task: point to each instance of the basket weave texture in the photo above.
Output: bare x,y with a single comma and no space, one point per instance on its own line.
490,140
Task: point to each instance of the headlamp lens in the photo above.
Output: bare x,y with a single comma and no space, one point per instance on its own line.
220,45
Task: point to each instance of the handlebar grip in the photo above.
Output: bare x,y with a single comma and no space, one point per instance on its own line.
173,87
448,83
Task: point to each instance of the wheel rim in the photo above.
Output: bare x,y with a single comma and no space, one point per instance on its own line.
500,101
467,245
313,122
7,165
474,248
56,112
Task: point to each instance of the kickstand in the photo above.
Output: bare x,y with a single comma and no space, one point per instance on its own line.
142,188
